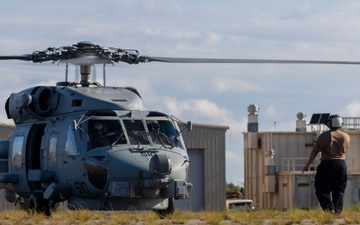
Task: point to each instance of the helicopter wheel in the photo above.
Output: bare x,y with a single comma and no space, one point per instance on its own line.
168,211
39,205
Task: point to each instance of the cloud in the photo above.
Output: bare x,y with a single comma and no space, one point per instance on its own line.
352,110
172,33
198,108
270,111
213,38
229,84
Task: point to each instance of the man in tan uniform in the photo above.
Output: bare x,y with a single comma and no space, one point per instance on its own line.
331,175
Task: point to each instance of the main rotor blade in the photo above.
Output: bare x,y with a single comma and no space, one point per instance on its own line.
217,60
19,57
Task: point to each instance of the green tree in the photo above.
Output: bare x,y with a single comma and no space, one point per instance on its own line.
232,188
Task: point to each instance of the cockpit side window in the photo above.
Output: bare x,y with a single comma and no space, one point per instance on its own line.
71,146
136,132
105,133
17,150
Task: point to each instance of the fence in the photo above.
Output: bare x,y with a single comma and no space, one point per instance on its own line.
297,164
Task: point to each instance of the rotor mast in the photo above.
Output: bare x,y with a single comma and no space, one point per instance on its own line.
85,72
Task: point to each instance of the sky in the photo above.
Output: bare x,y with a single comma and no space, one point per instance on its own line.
203,93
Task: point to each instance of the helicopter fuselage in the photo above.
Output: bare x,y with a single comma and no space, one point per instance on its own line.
94,147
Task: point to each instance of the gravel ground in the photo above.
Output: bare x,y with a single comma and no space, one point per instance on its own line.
168,222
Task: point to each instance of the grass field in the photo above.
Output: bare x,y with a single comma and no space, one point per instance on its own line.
19,217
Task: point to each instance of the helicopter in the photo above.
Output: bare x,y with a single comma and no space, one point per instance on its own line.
95,146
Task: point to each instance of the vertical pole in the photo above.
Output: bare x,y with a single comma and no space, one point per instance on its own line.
104,75
66,72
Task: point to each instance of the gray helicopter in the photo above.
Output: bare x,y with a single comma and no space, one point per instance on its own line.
94,146
90,145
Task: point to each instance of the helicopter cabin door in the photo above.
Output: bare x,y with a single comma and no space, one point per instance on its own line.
35,152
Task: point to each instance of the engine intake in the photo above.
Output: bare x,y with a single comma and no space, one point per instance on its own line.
41,100
36,102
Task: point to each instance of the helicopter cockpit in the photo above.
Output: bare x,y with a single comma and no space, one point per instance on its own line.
152,131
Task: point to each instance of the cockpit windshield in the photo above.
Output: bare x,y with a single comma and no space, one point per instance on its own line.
151,131
163,132
105,133
136,132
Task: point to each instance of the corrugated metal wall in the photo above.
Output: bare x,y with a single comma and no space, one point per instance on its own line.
5,132
211,138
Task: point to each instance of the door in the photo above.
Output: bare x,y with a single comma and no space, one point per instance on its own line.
196,177
34,152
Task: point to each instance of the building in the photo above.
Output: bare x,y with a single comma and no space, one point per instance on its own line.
274,163
5,132
206,149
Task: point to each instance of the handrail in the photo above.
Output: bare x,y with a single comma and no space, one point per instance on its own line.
351,123
297,164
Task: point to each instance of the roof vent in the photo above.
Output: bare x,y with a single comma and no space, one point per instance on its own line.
301,122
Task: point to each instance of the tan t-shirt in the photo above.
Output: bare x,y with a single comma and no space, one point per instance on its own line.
332,144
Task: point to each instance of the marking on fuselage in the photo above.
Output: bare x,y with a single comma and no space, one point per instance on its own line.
81,187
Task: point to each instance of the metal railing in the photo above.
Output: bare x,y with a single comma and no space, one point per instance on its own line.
297,164
351,123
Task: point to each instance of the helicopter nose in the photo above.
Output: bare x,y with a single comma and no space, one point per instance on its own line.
148,174
160,165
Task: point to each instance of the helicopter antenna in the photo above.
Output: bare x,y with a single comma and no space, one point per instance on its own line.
77,72
104,75
66,72
93,73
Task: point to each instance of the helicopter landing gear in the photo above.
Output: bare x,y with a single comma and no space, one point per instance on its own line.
38,204
168,211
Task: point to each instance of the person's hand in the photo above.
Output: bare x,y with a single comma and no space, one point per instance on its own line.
306,168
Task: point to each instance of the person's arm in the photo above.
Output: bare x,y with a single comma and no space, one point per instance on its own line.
310,160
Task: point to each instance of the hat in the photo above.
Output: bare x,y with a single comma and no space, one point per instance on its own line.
334,122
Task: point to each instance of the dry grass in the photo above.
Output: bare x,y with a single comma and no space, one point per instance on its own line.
65,217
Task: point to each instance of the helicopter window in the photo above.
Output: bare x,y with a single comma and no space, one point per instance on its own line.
105,132
71,147
136,132
76,103
163,132
17,150
52,150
